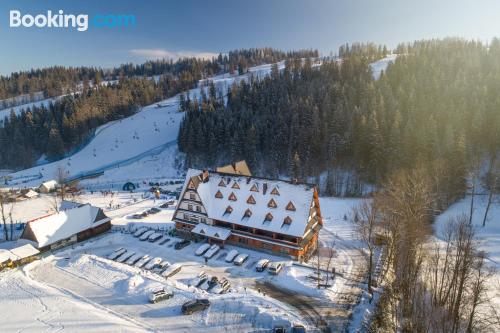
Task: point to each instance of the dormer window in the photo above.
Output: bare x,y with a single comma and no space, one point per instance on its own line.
219,195
269,217
251,200
272,204
287,221
290,206
229,210
232,197
221,183
275,191
248,213
254,188
236,185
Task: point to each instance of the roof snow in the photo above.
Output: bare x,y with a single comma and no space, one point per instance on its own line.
53,228
17,253
284,221
211,231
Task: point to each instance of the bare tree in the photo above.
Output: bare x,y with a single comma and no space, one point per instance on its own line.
365,223
491,183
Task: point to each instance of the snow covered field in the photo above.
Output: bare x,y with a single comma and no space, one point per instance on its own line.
49,294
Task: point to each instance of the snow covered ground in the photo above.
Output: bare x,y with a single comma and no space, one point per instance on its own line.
48,295
489,235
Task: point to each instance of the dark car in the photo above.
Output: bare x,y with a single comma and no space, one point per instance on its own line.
154,210
182,244
195,306
298,329
164,206
279,329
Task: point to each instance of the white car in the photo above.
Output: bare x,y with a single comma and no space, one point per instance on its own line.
171,270
261,265
135,258
153,263
143,261
197,281
231,255
125,256
221,287
161,267
140,231
160,295
146,235
202,249
116,253
240,259
275,267
212,251
154,237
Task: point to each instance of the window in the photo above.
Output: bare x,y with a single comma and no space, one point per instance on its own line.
254,188
190,207
236,185
272,204
275,191
203,220
248,213
229,210
269,217
251,200
290,206
232,197
287,221
221,183
243,240
198,209
192,196
219,195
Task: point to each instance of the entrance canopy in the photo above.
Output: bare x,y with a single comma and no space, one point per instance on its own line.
211,231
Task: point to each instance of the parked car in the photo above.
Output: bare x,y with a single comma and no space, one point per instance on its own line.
160,295
133,259
154,237
231,255
164,240
279,329
153,263
154,210
298,329
275,268
124,257
171,270
209,283
161,267
261,265
197,281
240,259
143,261
195,306
146,235
165,205
140,231
221,287
136,216
202,249
144,214
212,251
116,253
182,244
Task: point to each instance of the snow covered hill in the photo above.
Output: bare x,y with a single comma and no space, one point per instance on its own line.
130,141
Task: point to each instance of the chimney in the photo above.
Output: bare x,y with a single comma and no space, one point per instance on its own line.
204,176
265,188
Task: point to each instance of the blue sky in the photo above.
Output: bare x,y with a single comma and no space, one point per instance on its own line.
188,27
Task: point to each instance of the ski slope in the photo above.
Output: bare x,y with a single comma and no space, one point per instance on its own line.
130,141
380,66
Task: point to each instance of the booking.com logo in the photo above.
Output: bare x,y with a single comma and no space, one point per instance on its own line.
80,22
